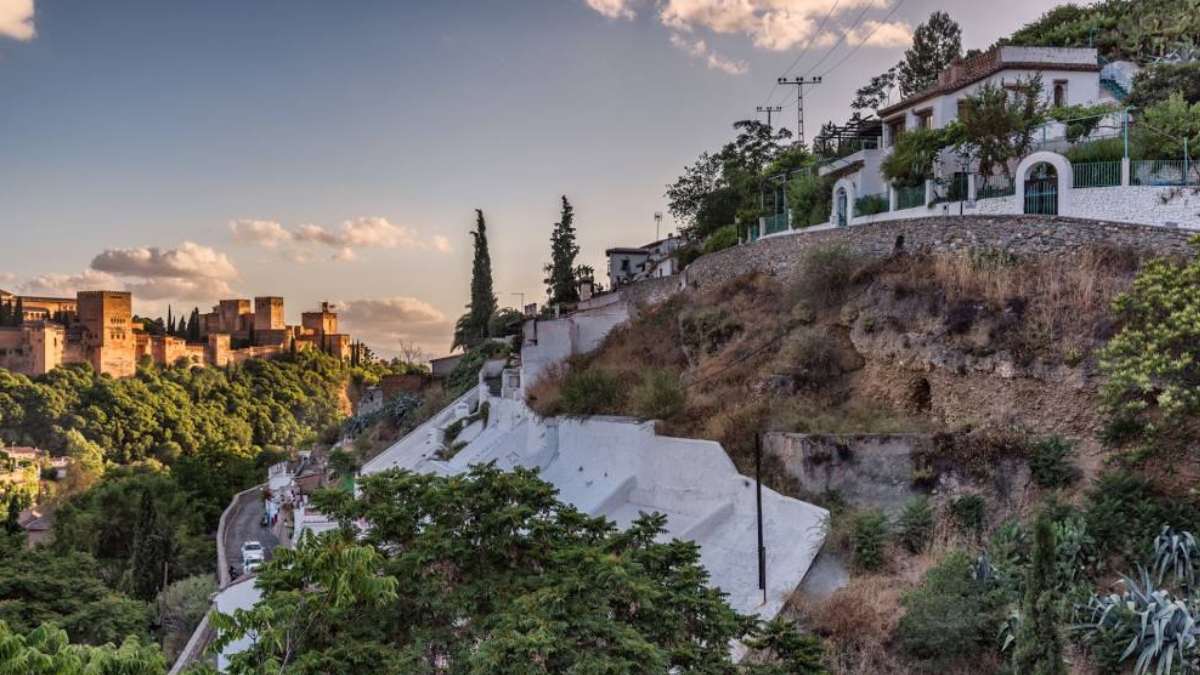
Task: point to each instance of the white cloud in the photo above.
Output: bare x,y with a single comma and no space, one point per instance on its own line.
16,19
189,261
386,323
266,233
200,289
613,9
358,233
67,285
698,49
880,34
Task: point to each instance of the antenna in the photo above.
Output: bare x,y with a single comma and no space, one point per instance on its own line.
657,225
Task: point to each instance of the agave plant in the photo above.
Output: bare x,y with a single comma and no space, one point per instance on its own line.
1175,552
1160,630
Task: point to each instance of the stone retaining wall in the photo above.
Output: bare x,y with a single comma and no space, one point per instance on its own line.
1015,234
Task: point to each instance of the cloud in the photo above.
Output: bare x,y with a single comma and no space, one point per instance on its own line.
386,323
880,34
199,289
698,49
357,233
613,9
189,261
16,19
67,285
266,233
773,25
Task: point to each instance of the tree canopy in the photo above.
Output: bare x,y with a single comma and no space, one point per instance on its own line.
489,573
936,43
560,271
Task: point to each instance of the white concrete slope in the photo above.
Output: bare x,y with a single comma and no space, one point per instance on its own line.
619,468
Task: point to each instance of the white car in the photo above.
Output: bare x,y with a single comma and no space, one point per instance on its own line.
252,554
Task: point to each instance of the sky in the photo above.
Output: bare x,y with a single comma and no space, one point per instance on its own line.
190,151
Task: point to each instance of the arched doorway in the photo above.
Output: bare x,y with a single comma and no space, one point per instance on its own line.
841,207
1041,190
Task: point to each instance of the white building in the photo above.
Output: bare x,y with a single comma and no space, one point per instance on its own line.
652,261
1045,181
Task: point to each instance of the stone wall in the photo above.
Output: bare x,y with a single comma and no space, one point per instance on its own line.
1015,234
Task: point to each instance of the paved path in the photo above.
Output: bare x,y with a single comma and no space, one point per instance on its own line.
245,524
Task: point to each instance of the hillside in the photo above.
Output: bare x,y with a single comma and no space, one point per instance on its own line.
988,363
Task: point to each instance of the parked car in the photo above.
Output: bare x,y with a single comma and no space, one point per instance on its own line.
252,552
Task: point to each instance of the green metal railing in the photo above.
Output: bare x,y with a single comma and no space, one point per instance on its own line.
868,205
1096,174
1163,172
777,222
988,187
910,197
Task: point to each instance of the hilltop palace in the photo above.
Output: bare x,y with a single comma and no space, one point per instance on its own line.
98,327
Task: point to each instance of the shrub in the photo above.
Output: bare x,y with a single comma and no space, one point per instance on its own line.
1099,150
1038,649
591,391
794,653
723,238
660,395
707,329
951,615
868,537
825,276
810,358
969,512
1123,510
1152,378
915,525
912,158
810,198
1050,463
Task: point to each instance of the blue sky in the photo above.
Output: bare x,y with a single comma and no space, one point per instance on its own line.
336,150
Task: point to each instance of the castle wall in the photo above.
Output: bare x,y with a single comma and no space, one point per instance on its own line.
109,342
268,314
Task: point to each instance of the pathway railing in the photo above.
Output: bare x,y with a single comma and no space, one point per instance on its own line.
1096,174
1163,172
910,197
988,187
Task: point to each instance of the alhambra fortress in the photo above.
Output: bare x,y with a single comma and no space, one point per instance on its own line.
98,327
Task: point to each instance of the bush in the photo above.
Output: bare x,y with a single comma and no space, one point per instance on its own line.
1124,512
868,537
1100,150
915,525
1050,463
969,512
810,358
707,329
723,238
660,395
951,615
825,276
810,198
591,391
912,158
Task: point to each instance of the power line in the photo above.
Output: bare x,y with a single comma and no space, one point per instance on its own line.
803,50
867,39
845,34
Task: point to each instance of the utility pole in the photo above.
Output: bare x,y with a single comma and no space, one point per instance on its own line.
800,82
762,549
769,109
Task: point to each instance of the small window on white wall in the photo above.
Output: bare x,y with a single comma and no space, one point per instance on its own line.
1060,93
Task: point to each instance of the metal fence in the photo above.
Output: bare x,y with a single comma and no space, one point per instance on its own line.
1095,174
988,187
910,197
776,222
1163,172
868,205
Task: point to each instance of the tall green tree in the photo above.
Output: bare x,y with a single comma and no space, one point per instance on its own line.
12,523
18,312
153,551
472,328
560,272
1039,649
876,93
997,124
193,327
935,44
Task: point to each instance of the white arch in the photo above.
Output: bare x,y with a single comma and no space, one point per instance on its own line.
1062,168
851,194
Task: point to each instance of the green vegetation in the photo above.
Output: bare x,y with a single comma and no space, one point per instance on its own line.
660,395
725,237
1136,30
914,528
1038,649
1157,82
561,274
1176,552
1050,463
997,123
46,650
592,391
1153,384
1145,625
868,539
953,615
809,197
911,161
969,513
488,573
476,325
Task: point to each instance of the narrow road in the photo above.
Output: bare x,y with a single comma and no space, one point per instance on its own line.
246,525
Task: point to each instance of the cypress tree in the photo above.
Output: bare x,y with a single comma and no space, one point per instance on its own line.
1039,647
19,313
153,545
472,327
170,322
560,273
5,313
193,328
13,522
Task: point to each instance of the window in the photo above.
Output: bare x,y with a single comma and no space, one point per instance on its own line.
895,128
1060,93
925,118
